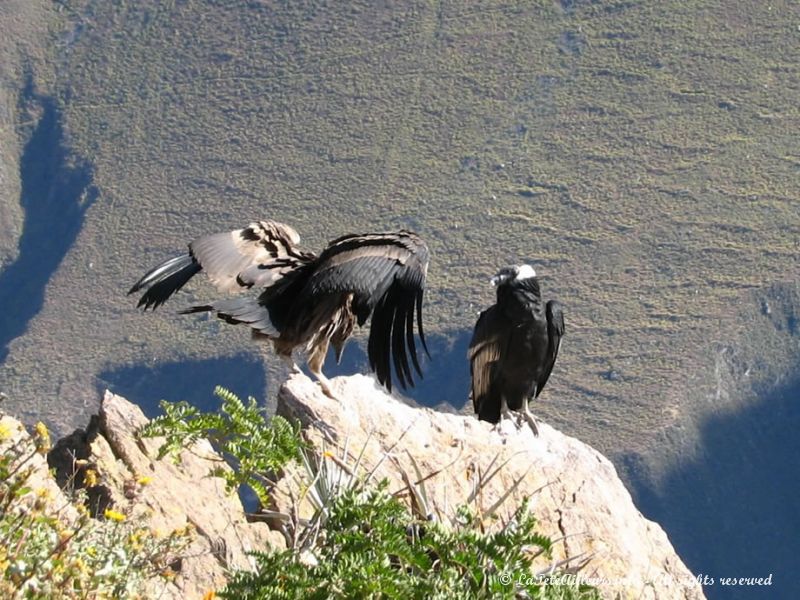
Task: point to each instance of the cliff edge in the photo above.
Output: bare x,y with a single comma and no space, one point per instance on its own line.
575,492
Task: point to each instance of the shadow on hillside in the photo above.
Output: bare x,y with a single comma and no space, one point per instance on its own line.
733,512
446,377
191,380
445,374
56,192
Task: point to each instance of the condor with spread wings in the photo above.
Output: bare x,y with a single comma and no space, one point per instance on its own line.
514,346
310,300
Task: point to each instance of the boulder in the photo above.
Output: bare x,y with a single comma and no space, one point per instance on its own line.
165,496
574,491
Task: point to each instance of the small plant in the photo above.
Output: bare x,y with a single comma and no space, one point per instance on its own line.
49,551
362,541
257,447
370,546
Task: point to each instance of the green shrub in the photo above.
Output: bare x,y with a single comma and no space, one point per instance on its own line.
53,552
363,542
371,547
257,447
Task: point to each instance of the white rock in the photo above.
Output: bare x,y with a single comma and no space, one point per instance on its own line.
575,491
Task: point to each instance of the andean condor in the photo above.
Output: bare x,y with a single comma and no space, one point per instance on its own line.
307,299
514,346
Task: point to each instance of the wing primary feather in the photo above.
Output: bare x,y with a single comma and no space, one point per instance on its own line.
158,272
378,344
419,323
164,280
399,345
412,346
196,309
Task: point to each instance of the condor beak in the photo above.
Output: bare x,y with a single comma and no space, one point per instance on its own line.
502,276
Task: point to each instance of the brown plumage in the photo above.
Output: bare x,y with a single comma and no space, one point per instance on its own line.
310,300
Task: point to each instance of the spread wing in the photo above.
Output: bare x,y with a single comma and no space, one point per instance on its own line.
257,255
386,274
555,331
484,354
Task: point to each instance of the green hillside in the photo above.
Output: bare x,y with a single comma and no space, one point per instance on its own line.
643,155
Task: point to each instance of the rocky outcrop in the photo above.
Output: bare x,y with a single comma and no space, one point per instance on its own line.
161,494
575,492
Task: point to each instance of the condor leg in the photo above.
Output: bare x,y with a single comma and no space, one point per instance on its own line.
284,352
529,418
506,415
316,357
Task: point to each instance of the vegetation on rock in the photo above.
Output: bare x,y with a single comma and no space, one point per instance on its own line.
362,541
52,547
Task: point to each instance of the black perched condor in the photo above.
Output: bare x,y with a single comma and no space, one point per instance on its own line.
306,299
514,346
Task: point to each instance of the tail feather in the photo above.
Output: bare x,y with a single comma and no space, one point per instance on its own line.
246,311
164,280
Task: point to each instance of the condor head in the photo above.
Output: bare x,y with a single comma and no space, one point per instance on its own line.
515,273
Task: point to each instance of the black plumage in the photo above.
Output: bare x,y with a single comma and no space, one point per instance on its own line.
307,299
514,346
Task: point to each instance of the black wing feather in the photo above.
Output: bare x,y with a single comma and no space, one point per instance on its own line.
386,272
164,280
410,343
555,331
398,345
378,344
419,323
